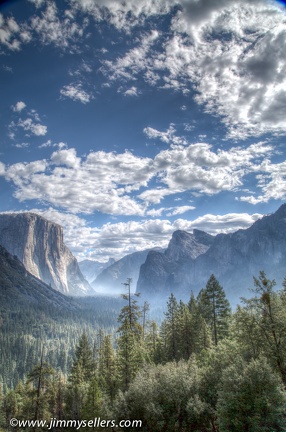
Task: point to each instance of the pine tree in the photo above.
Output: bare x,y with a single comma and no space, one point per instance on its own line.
93,401
82,370
84,358
186,335
107,368
130,355
215,309
170,329
267,314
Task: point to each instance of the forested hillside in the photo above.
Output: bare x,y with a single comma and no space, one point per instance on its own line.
205,368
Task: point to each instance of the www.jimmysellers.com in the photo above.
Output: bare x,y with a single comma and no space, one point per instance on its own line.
76,424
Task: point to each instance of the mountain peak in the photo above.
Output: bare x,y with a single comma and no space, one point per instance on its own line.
38,244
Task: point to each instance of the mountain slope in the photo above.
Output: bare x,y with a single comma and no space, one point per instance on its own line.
157,273
39,245
19,287
111,279
233,258
91,269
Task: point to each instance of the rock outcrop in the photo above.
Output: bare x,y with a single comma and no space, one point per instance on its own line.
157,274
18,288
233,258
38,244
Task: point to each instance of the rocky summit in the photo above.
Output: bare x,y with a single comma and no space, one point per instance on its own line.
38,244
233,258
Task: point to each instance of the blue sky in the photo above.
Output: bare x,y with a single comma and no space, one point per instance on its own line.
124,121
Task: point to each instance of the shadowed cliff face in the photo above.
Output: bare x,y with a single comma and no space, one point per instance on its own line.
158,272
20,288
233,258
39,245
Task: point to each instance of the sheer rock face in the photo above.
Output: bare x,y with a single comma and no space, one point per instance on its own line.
233,258
38,244
20,288
158,272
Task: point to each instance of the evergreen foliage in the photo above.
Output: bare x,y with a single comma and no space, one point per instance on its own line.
203,370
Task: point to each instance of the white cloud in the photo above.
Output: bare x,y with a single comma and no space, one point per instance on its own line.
179,210
132,91
198,168
22,145
167,137
112,183
2,169
51,29
19,106
118,239
136,60
231,53
215,224
35,128
100,182
9,30
76,93
272,183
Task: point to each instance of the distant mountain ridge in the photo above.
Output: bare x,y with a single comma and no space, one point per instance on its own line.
38,244
91,269
157,273
233,258
111,279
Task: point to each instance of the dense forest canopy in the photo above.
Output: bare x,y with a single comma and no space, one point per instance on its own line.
205,368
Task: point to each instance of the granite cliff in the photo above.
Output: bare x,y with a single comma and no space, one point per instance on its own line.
19,288
38,244
233,258
157,273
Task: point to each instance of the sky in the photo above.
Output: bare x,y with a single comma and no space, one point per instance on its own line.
124,121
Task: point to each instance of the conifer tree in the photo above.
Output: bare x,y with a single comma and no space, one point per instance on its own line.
215,309
170,329
107,368
129,352
267,311
82,370
186,337
40,394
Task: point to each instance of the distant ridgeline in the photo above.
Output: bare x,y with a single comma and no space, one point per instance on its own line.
233,258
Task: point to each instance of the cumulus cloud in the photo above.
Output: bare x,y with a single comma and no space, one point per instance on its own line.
62,32
135,61
118,239
32,124
119,183
198,168
29,125
132,91
168,137
271,182
231,53
9,33
19,106
76,93
95,183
